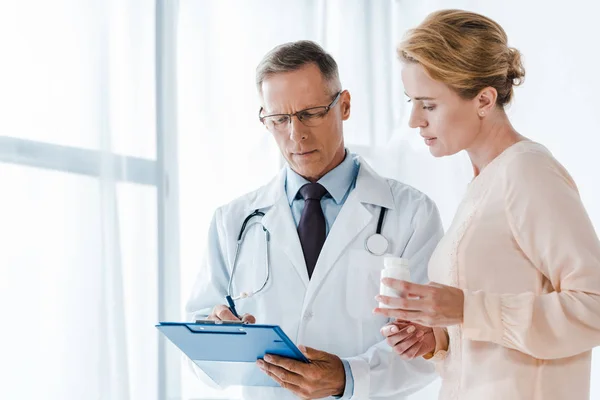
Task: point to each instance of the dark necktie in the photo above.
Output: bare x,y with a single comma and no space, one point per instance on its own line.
311,228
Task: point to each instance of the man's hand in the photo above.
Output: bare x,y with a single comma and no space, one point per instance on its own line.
324,376
222,313
408,339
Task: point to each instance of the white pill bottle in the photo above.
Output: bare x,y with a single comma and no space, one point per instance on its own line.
396,268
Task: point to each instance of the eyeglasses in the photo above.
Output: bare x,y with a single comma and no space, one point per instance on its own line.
310,117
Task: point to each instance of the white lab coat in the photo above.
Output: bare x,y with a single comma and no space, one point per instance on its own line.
333,310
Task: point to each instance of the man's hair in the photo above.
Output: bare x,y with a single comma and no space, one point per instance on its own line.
295,55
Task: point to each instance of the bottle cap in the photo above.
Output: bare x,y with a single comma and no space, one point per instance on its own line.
391,261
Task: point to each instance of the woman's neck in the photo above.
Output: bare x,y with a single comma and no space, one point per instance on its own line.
495,136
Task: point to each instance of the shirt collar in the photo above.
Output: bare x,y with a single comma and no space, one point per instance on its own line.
337,181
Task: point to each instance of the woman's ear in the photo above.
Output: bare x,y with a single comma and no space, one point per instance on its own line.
486,100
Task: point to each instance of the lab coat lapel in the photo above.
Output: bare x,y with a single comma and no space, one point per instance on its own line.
353,218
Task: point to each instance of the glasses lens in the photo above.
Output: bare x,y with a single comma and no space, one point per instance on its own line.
313,116
276,122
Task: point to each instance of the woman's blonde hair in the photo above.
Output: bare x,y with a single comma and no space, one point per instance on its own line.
466,51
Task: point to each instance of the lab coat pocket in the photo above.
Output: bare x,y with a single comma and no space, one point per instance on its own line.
364,271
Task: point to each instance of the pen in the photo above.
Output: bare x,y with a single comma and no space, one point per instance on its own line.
232,306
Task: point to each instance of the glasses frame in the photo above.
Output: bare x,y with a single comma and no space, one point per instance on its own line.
298,114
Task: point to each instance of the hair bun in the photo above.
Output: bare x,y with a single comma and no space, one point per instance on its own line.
516,72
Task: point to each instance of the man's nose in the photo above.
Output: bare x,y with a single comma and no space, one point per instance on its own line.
297,129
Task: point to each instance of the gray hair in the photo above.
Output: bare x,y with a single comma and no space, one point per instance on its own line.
295,55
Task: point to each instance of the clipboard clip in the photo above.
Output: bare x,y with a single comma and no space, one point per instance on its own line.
210,322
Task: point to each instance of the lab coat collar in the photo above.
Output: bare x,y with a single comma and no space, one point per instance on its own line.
271,193
370,188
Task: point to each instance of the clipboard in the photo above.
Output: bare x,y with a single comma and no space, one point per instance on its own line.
227,352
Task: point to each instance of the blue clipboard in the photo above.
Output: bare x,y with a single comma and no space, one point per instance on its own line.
227,352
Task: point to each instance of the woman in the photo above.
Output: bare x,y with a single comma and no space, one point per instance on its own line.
516,303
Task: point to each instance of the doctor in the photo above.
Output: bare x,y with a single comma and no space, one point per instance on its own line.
312,245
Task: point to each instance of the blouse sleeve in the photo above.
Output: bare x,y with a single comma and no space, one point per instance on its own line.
552,228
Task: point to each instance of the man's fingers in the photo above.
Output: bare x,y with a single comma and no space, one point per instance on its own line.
296,367
248,318
213,317
314,354
284,374
224,313
297,390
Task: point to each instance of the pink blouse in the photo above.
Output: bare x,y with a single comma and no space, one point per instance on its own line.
524,251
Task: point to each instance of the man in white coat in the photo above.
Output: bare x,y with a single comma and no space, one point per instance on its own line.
319,212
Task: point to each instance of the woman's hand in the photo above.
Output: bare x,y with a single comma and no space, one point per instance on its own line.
432,305
409,340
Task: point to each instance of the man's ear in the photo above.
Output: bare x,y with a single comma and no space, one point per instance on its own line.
345,104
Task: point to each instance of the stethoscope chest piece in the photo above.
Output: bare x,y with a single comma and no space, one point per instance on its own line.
376,244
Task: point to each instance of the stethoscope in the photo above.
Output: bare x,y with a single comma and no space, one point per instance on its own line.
376,244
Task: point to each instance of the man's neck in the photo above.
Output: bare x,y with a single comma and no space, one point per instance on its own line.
337,160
